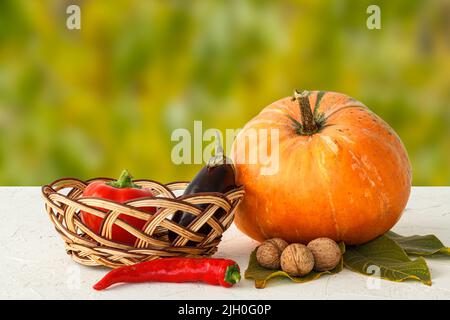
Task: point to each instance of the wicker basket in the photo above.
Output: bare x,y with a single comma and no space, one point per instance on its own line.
63,204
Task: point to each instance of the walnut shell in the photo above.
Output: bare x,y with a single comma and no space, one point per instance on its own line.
280,243
269,252
297,260
326,252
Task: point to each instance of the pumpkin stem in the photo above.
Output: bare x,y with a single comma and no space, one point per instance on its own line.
309,126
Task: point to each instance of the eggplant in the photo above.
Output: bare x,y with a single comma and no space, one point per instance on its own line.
217,176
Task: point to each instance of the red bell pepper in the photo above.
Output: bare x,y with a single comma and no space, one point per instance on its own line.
121,191
223,272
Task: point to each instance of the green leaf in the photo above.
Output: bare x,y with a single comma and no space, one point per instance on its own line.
319,97
261,275
386,256
297,125
420,245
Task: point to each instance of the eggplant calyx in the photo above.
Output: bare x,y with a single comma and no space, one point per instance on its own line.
216,161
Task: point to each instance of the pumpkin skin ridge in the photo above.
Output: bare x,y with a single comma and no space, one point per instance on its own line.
334,111
333,209
342,108
337,102
307,148
391,145
396,137
340,132
371,135
285,144
370,172
365,130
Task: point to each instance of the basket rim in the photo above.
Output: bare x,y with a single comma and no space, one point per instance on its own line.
177,199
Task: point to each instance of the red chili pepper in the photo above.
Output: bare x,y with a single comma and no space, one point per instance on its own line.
212,271
121,191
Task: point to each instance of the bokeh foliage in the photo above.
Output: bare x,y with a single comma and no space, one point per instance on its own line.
90,102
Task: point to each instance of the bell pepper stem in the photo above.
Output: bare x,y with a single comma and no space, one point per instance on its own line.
124,181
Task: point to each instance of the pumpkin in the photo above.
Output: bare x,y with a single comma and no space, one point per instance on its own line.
343,173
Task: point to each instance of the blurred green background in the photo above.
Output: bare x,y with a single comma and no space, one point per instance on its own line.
91,102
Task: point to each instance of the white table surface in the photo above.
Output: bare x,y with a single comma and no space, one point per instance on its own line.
34,264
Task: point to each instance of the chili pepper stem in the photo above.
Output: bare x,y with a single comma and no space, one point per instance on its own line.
124,181
236,276
232,275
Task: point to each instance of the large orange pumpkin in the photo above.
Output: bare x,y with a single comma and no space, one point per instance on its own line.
343,172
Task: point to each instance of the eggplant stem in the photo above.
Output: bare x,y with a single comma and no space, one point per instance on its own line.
219,148
219,156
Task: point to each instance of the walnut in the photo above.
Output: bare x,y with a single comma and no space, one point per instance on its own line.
326,253
269,252
297,260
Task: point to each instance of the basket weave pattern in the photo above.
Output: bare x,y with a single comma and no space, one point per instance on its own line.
63,203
